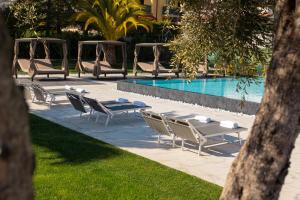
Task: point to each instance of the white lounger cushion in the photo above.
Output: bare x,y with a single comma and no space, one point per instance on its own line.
80,90
122,100
229,124
203,119
69,87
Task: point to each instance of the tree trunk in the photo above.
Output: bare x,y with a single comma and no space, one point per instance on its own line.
262,164
110,54
16,157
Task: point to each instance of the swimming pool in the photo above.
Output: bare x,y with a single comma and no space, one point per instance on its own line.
223,87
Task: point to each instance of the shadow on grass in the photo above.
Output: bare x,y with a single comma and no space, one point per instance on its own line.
71,146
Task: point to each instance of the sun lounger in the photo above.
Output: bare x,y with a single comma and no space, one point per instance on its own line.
159,124
76,102
197,132
105,103
42,95
110,109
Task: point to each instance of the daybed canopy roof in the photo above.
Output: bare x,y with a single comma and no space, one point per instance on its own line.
149,44
107,42
41,40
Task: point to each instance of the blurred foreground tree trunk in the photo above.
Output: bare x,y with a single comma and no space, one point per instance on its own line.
262,164
16,156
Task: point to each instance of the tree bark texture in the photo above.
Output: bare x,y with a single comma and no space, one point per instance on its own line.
110,54
16,156
260,169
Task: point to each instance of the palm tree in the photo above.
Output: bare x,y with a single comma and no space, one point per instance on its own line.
112,19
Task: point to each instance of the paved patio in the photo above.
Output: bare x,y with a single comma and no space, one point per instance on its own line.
132,134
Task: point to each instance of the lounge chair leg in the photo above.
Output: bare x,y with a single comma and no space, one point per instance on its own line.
80,114
51,100
65,77
182,145
91,111
200,150
158,139
47,75
107,121
239,136
78,74
98,115
104,75
173,145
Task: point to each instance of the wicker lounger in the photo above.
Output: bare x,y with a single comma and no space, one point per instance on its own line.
149,67
158,123
110,110
98,66
197,132
154,67
91,64
34,66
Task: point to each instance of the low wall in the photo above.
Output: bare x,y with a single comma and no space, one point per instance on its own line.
223,103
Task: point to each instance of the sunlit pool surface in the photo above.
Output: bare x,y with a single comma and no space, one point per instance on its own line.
225,87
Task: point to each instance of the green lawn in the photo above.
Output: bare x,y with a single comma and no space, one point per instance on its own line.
70,165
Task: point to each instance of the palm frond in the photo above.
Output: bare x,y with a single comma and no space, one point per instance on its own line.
113,18
89,21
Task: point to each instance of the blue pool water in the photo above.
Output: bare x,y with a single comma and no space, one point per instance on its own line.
225,87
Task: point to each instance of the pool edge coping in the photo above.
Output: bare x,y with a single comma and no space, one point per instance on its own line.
217,102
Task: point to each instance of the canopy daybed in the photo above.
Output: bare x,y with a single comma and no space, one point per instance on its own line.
101,66
153,67
34,66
